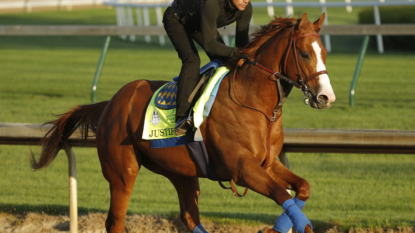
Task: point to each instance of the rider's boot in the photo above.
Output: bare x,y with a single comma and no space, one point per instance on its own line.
182,125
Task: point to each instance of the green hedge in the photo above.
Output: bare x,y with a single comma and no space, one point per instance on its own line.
393,15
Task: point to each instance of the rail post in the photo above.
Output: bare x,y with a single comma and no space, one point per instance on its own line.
99,69
146,17
377,22
289,10
73,197
159,16
270,9
327,41
357,70
284,159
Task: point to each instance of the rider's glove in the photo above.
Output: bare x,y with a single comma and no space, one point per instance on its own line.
244,56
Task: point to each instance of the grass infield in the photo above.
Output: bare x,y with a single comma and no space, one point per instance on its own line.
44,75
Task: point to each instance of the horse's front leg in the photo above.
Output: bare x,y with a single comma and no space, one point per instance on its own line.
251,175
285,178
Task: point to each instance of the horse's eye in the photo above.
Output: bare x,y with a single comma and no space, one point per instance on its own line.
304,55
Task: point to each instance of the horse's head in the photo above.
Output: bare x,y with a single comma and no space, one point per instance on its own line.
305,60
292,48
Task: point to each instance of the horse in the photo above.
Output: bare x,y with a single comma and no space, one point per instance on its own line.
243,134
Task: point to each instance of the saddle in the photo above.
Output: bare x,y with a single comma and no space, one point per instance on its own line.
166,97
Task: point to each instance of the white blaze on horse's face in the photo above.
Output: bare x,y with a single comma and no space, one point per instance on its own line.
325,95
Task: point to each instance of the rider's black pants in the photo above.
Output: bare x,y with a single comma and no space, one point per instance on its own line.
182,40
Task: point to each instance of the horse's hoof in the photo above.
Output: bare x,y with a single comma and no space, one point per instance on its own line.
308,229
262,230
267,230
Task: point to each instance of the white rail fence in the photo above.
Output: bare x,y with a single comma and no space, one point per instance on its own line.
28,5
112,30
124,12
125,17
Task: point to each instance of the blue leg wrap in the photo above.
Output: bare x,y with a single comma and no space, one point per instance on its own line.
283,223
299,220
299,203
199,229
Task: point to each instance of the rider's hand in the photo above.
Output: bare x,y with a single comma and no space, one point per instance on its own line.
244,56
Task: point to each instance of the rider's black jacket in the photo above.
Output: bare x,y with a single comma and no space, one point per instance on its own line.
207,15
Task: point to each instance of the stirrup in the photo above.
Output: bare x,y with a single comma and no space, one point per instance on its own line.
183,125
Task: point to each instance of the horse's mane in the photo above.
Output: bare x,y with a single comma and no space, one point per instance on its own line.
264,33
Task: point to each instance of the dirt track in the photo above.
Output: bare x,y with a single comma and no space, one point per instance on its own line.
94,223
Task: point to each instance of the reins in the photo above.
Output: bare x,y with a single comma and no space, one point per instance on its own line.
277,76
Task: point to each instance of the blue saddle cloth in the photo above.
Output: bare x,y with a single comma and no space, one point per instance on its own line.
166,98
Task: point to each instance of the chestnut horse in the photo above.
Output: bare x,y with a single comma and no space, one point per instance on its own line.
243,134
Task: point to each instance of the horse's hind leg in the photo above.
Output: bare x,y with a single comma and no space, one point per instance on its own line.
120,168
188,192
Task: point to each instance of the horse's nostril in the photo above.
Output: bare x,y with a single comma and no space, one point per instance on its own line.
323,99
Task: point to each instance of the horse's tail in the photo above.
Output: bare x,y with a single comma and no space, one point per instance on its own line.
84,117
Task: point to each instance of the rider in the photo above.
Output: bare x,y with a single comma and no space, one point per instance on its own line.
198,20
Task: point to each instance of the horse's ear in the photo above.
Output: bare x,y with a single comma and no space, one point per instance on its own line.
319,22
303,21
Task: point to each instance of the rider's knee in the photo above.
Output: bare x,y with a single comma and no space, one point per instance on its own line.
192,60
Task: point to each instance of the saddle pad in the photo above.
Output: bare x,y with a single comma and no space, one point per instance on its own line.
159,123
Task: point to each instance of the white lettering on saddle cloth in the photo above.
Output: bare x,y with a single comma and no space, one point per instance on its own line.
157,133
161,133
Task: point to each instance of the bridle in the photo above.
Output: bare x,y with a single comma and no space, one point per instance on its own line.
277,76
300,84
293,40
